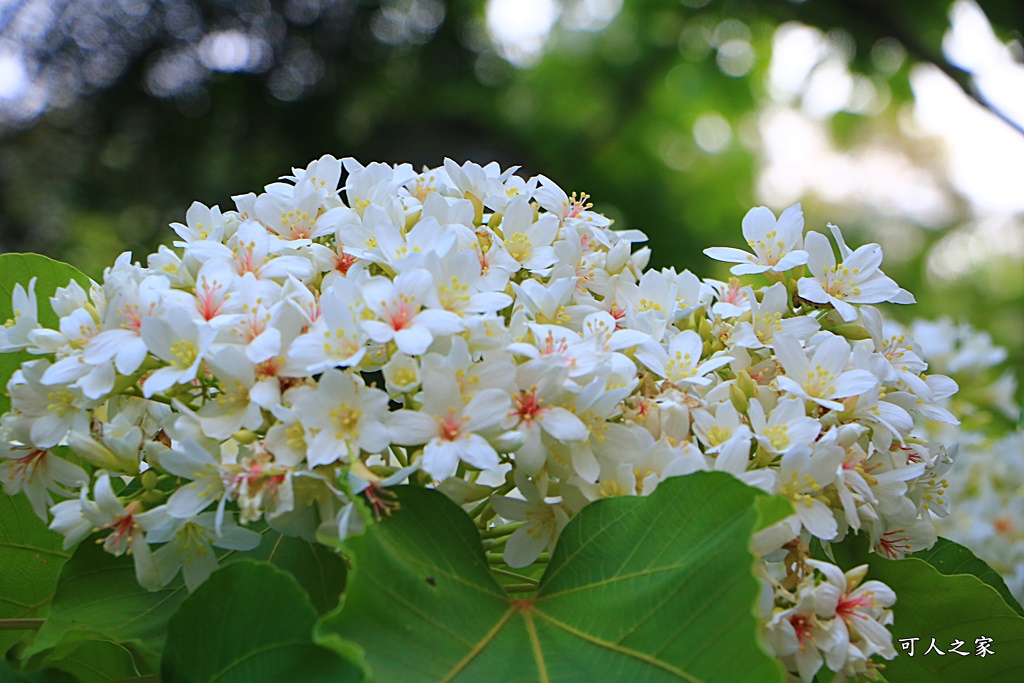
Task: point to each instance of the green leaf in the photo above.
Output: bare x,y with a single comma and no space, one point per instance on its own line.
96,661
99,597
638,589
771,510
9,675
50,274
318,569
31,557
249,623
930,604
950,557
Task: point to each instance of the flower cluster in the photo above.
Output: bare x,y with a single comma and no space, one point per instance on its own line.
488,335
987,480
830,617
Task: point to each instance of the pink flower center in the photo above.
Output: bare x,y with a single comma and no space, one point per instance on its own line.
849,606
25,467
123,528
400,317
894,546
802,627
451,428
527,405
342,262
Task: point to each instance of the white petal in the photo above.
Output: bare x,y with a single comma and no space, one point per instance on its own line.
854,383
414,340
729,255
440,458
477,452
563,425
487,409
190,500
525,544
817,518
411,428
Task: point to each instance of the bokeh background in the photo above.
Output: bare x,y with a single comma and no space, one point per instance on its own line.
902,122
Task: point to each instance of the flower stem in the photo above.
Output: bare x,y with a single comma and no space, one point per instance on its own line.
401,457
513,575
499,531
483,505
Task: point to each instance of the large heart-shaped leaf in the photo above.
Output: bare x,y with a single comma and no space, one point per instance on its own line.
99,597
249,622
49,274
638,589
317,568
950,557
31,558
96,661
946,608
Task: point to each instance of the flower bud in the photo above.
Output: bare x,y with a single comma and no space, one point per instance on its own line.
738,398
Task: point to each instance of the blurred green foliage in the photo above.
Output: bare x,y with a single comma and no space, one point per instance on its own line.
611,112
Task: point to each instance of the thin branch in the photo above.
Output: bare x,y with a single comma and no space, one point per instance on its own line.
896,29
21,624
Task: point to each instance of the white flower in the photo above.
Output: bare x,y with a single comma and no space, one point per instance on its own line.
51,410
207,476
861,610
348,418
803,475
682,362
449,426
127,524
129,304
536,411
461,287
203,223
857,280
528,241
188,546
296,216
768,317
575,208
786,429
36,471
725,426
179,341
777,245
233,407
14,332
824,378
336,338
544,521
399,307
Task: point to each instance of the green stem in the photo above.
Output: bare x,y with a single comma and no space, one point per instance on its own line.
495,543
520,588
402,459
486,502
513,575
21,624
499,531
